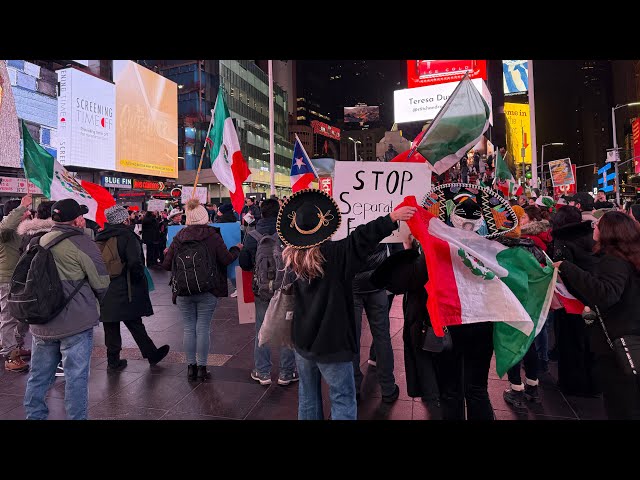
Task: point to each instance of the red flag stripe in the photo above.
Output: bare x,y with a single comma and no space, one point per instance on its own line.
303,182
102,196
241,172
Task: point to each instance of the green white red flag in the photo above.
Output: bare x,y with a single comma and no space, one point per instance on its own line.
473,279
503,180
227,161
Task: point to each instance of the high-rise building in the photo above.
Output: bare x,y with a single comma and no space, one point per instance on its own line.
246,91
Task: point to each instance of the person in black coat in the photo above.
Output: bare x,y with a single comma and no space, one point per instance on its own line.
612,287
127,299
226,214
151,238
572,241
405,273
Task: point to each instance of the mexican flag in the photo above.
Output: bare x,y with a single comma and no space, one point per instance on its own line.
564,299
56,183
227,161
457,128
504,181
474,279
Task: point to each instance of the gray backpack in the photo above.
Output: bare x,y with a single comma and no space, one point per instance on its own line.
269,266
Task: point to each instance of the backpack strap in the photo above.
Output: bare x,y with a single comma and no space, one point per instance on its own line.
60,238
254,234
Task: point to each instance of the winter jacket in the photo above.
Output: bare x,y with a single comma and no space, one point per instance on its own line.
116,305
405,272
613,284
362,280
539,232
76,258
573,242
30,229
217,249
150,230
10,243
229,217
324,327
264,226
255,211
526,243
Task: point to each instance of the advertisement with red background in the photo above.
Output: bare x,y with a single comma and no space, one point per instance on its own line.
326,185
326,130
635,129
432,72
566,189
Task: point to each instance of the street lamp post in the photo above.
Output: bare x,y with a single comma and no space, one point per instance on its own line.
355,148
544,183
615,145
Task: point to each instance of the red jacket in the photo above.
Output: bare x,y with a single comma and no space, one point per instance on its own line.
538,232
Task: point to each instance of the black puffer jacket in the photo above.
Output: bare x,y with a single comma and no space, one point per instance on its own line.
362,280
573,242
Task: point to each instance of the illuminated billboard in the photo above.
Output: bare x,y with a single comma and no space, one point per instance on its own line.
147,121
424,103
361,114
518,127
421,73
86,121
515,76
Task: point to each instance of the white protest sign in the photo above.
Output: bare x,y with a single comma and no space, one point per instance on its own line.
368,190
201,194
155,205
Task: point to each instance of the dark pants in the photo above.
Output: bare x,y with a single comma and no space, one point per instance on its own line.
620,392
463,372
375,305
152,253
575,359
161,247
530,360
113,340
372,349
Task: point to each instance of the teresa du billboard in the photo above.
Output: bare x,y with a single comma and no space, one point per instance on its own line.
147,121
431,72
86,121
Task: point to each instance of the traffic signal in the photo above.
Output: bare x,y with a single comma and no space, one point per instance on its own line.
528,174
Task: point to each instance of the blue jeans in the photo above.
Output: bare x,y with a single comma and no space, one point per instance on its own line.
342,389
262,355
376,305
75,353
197,312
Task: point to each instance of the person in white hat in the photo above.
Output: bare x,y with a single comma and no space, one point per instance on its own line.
175,217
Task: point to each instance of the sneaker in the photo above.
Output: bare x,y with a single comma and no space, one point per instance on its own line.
287,378
532,393
263,378
234,294
59,370
515,399
15,364
393,397
373,363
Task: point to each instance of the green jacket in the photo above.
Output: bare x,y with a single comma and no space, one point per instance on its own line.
76,258
10,243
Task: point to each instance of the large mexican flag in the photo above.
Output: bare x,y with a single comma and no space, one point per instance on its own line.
473,279
504,181
227,161
56,183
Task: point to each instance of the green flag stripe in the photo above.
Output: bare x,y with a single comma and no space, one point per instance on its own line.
38,163
220,114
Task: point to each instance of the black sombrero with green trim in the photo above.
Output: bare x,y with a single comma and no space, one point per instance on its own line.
307,219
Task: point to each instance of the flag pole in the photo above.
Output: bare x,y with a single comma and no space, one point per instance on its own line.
272,163
204,147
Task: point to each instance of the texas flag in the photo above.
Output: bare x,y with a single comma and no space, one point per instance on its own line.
302,171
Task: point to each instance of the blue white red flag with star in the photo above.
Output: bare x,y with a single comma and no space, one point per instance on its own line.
302,171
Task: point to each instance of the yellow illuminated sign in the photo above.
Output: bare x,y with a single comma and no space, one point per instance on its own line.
518,126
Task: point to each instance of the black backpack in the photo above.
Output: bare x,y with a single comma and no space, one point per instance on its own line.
194,271
269,265
36,294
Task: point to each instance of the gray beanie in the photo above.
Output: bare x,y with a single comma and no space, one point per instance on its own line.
116,214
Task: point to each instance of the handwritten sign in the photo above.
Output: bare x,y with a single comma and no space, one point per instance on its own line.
201,194
365,191
561,172
155,205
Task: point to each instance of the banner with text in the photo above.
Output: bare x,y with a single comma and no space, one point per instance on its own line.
368,190
201,194
518,131
561,172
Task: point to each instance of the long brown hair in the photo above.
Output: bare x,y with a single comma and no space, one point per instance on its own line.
306,263
620,237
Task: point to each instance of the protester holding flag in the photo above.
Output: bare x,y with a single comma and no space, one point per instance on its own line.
612,288
573,241
324,329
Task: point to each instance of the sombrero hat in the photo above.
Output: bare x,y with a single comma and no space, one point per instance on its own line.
471,207
307,219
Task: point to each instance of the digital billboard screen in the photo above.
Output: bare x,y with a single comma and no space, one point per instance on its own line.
515,76
147,121
421,73
361,114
